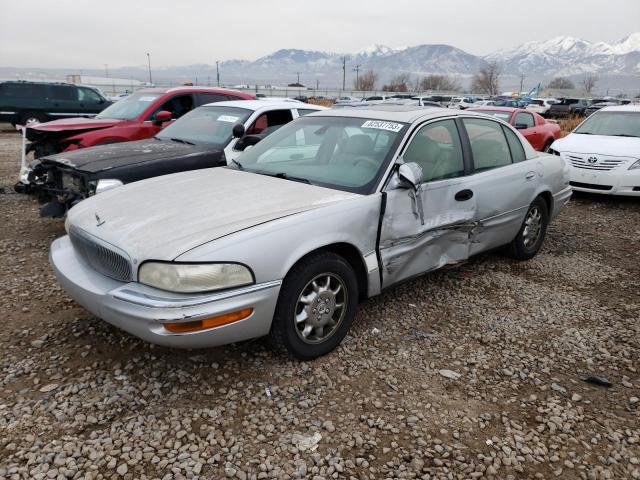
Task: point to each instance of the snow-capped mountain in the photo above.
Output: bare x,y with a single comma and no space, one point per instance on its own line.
568,56
616,63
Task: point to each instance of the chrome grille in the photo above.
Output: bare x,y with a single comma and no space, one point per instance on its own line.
102,259
603,163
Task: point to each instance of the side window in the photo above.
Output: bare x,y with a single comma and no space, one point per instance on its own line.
488,144
268,120
437,149
305,111
178,105
517,151
88,95
525,119
205,97
21,90
62,92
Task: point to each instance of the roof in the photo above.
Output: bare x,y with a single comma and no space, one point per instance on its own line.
392,113
622,108
187,88
497,109
261,104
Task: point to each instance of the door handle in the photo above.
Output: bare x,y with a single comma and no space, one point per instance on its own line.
464,195
530,176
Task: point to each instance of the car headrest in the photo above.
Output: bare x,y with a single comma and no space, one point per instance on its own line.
360,144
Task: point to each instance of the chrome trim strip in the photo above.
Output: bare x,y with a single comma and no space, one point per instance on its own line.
153,301
82,114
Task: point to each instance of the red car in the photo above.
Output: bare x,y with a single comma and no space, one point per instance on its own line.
540,132
139,116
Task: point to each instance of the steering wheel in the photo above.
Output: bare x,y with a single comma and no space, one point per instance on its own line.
368,160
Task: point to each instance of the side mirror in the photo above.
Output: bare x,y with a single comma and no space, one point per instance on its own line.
521,126
411,174
162,116
238,130
246,142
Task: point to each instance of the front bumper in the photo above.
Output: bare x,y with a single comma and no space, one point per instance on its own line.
615,182
142,310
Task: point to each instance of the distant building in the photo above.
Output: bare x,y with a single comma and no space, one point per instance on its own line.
108,84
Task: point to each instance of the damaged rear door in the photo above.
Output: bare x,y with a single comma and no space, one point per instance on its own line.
426,229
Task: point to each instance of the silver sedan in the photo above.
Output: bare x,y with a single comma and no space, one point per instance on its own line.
329,210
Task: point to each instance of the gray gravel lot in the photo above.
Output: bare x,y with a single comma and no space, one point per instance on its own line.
472,372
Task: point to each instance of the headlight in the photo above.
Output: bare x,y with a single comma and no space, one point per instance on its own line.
635,165
191,278
106,184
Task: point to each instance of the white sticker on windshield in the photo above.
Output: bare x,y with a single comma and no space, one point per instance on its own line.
228,118
382,125
147,99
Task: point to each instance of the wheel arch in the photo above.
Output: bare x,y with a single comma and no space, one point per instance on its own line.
351,254
548,199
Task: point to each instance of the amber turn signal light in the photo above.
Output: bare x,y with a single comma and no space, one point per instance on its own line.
206,323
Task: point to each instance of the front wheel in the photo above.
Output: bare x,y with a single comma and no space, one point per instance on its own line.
317,304
529,239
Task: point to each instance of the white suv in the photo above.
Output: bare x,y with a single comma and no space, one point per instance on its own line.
603,152
541,105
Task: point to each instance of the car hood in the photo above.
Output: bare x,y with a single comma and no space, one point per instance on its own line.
599,144
74,124
164,217
114,155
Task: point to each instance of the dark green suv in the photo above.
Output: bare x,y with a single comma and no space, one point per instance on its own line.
23,102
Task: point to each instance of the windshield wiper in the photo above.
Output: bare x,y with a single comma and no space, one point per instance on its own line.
180,140
236,162
289,177
584,133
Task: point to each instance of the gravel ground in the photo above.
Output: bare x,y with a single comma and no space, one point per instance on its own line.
474,372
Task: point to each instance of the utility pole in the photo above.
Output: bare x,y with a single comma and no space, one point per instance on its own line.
357,70
521,82
149,63
106,69
218,72
344,72
317,84
298,73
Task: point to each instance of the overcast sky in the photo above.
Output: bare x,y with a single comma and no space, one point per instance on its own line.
89,33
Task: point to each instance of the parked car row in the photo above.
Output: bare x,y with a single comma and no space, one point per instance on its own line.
200,234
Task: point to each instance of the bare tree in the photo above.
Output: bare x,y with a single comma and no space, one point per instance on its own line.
439,83
561,83
399,83
589,83
487,80
366,82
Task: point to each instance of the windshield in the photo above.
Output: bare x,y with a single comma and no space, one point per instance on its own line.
624,124
496,113
128,108
206,125
344,153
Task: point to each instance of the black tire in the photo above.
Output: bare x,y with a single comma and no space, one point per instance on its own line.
285,332
521,247
32,117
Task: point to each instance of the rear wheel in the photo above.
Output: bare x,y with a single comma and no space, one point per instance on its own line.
316,306
529,239
28,118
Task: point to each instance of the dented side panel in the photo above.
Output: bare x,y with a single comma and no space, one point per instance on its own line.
408,246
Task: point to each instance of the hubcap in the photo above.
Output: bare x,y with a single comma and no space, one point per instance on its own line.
532,227
320,308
